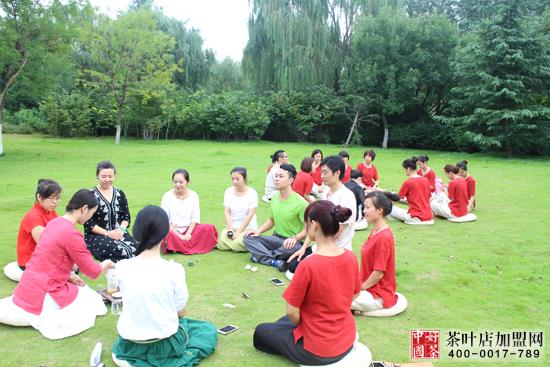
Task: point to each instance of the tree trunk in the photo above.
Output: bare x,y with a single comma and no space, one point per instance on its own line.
353,126
386,132
119,121
3,93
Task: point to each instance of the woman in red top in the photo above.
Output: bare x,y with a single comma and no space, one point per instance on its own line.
378,283
48,193
317,155
417,191
470,182
55,300
426,171
303,184
347,173
318,328
368,170
457,191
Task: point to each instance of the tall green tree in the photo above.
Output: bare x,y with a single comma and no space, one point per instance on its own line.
290,45
29,32
399,64
128,56
503,71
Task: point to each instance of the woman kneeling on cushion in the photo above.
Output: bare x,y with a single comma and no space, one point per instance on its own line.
47,197
153,330
319,328
187,235
378,281
57,302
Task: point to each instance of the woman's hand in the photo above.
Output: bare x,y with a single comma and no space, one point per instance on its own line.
76,280
298,254
186,236
115,234
106,265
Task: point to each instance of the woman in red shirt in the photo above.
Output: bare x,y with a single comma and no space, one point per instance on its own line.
457,192
378,283
317,155
56,301
48,193
426,171
417,191
470,182
347,173
368,170
303,184
318,328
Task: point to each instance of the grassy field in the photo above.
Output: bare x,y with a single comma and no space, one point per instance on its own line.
488,275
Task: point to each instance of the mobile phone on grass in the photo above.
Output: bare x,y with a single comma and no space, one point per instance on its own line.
227,329
276,281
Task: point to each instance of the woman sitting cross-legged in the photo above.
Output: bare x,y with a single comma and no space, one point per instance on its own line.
318,328
417,191
56,301
378,281
106,232
455,205
187,235
152,328
240,202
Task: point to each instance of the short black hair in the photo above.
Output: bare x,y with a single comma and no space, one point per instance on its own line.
307,164
46,188
355,173
344,154
278,154
82,198
335,163
104,165
290,169
316,151
371,153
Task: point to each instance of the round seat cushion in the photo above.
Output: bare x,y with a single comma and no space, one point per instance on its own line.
399,307
419,223
470,217
289,275
12,315
13,271
359,356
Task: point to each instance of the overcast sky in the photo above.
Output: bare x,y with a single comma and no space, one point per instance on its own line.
223,23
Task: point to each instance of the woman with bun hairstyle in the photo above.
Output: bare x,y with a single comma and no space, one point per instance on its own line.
457,192
417,191
152,329
378,282
318,297
470,182
55,300
187,234
277,158
47,196
425,171
240,203
106,233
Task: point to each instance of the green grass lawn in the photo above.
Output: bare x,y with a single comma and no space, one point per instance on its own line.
491,274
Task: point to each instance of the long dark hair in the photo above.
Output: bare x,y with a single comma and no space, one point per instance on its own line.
150,227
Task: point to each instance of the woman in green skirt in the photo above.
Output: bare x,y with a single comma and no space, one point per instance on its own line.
152,328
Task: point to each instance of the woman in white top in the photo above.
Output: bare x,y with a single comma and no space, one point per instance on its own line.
278,158
152,328
240,202
187,235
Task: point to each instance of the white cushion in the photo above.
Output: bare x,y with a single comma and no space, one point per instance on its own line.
399,307
289,275
120,362
470,217
359,356
13,271
361,225
10,314
418,222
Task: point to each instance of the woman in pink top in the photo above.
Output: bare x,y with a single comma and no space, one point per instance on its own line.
55,300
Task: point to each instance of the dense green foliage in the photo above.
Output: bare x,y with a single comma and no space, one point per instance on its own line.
436,74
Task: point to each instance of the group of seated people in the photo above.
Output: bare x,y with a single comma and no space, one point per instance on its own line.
311,241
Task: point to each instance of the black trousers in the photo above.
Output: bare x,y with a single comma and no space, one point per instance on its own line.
276,338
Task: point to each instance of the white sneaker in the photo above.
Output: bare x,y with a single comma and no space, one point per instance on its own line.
95,357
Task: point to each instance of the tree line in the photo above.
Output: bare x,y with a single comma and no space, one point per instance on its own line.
464,75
